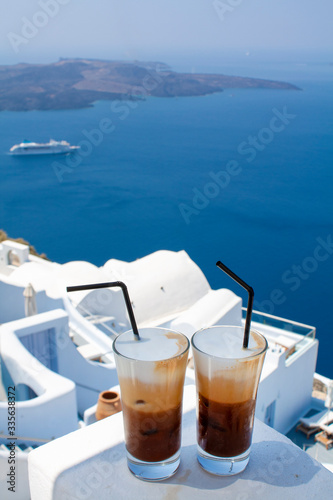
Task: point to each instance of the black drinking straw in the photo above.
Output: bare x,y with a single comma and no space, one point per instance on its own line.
111,285
249,304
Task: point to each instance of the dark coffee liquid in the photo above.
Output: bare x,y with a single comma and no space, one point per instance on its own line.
153,436
224,429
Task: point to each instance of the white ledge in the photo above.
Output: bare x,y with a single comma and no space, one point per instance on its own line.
90,464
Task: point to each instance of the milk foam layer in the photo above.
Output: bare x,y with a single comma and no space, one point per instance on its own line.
225,371
144,366
228,345
154,344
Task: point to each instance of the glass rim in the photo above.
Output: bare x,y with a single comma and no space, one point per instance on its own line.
254,355
116,351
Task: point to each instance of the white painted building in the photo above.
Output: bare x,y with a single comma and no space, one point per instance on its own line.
63,354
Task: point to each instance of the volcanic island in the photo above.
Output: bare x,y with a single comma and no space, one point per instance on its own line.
78,83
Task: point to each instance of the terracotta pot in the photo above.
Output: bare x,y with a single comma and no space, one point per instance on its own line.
108,404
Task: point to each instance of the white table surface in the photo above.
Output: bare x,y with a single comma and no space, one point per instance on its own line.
90,464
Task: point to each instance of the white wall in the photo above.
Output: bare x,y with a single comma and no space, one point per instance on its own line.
290,386
12,302
22,491
90,378
53,412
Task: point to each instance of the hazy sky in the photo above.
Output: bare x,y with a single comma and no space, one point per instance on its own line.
143,29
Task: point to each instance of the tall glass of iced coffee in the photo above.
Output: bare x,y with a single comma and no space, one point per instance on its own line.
151,374
227,378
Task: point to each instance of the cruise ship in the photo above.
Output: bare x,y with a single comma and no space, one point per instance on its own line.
49,148
56,350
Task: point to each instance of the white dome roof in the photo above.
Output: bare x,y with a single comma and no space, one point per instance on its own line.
54,278
36,273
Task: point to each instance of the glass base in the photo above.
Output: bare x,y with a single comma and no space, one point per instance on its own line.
153,471
223,466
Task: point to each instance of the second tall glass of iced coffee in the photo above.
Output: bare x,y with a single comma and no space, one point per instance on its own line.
227,378
151,374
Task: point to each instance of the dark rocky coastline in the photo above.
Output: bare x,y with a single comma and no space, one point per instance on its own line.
78,83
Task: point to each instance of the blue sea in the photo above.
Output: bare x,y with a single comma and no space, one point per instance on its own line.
241,176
